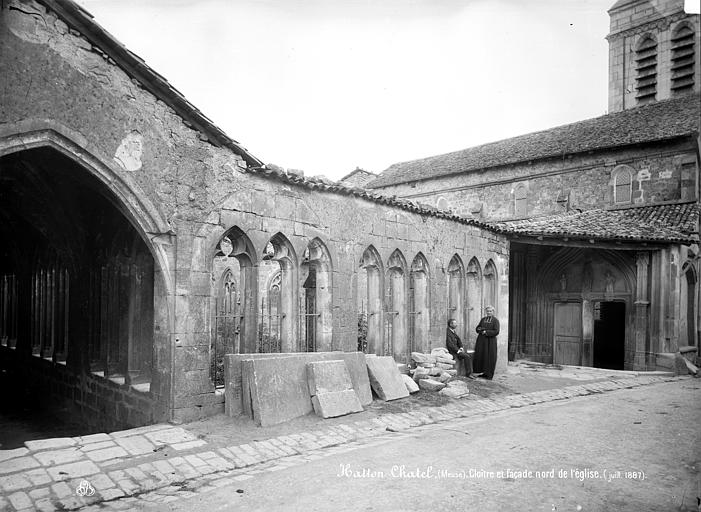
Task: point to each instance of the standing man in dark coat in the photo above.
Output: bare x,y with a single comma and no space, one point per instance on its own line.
454,346
486,345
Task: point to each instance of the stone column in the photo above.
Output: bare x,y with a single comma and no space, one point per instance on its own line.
642,304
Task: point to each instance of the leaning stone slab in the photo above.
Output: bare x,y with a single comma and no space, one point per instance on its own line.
328,377
411,386
276,389
234,403
385,379
337,403
431,385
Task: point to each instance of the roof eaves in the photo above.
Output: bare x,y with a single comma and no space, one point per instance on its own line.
336,188
547,156
80,19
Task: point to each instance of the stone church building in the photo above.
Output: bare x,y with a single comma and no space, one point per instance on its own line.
602,214
141,243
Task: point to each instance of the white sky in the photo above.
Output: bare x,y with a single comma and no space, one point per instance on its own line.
330,85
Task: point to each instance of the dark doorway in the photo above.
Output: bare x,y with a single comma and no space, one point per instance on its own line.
609,335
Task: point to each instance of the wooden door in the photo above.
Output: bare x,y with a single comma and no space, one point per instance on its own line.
568,333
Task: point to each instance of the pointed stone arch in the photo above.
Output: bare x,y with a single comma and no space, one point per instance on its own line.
370,311
474,297
396,306
278,333
316,304
456,294
490,288
419,305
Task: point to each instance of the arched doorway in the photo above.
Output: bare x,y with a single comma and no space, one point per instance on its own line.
80,288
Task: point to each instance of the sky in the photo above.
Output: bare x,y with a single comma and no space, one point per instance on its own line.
326,86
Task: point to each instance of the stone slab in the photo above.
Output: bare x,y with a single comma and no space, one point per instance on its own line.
277,389
385,379
431,385
337,403
328,377
234,404
136,445
50,444
454,392
411,386
74,470
418,357
446,366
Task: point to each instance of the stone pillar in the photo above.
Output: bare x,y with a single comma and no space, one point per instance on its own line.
642,304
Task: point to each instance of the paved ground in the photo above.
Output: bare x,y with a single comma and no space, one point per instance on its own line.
566,455
165,463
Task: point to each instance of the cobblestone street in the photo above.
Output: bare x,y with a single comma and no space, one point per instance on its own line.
164,463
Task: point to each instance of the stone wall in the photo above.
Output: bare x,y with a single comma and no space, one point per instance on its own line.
661,173
184,194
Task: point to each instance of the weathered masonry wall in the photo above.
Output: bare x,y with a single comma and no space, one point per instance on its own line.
208,223
659,173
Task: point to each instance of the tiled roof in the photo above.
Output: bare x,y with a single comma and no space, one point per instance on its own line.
663,223
658,121
357,178
324,185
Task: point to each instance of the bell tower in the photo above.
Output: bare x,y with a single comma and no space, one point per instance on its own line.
653,52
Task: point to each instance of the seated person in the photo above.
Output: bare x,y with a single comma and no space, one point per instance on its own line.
454,346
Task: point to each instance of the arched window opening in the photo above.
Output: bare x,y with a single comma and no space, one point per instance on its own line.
491,281
316,308
622,185
370,277
234,292
683,59
521,201
646,70
419,316
277,324
456,294
474,298
396,310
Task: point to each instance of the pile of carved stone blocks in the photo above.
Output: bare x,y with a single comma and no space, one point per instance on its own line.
436,371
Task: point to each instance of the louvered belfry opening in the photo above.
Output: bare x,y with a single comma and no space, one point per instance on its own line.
646,70
683,59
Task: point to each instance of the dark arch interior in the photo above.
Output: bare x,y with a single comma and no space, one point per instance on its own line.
76,291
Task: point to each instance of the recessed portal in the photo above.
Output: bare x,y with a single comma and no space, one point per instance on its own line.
609,335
